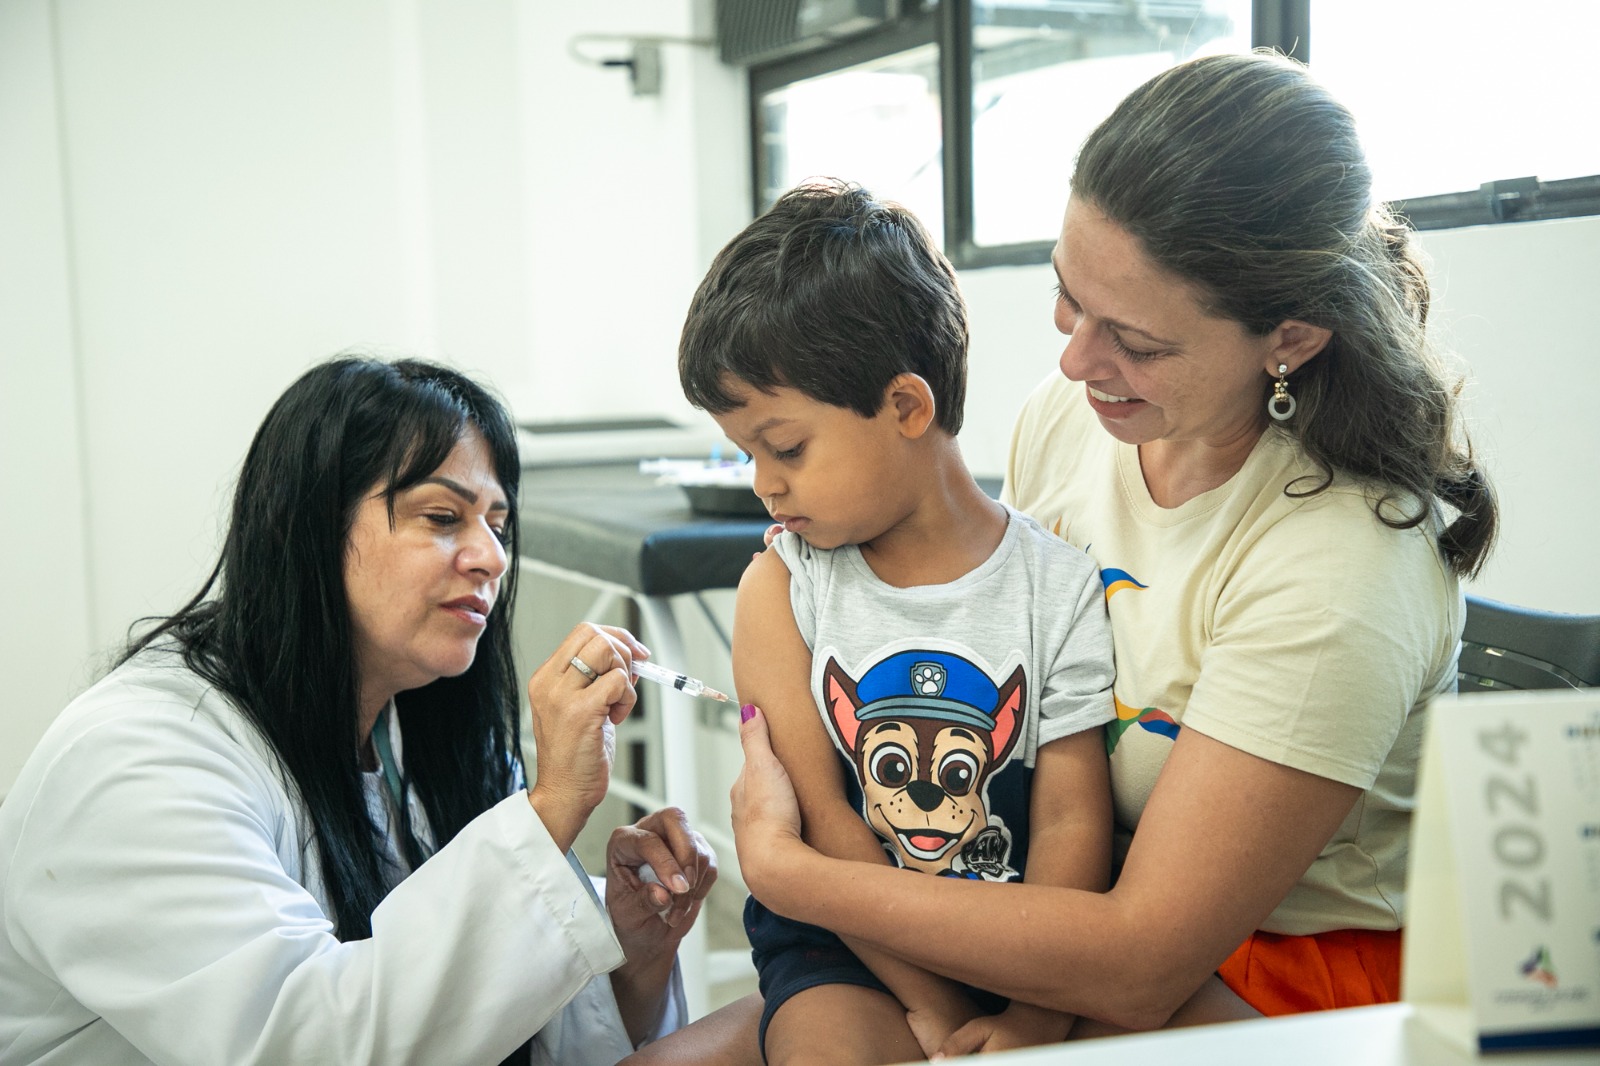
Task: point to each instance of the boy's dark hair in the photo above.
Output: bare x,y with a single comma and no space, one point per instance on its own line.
832,293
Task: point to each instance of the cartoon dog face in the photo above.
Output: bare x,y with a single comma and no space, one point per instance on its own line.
922,771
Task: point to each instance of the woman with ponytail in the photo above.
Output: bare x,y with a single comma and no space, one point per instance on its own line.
292,824
1252,436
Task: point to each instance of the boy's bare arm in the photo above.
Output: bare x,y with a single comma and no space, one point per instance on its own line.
1069,845
772,669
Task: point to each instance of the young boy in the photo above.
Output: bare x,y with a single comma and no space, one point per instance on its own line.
960,654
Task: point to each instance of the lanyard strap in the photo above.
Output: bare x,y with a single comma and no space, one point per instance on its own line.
391,773
391,776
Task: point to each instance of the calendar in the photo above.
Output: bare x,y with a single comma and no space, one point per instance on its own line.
1502,948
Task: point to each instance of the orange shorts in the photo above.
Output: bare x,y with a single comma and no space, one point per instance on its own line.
1278,974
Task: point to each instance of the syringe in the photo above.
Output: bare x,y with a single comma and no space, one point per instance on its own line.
649,671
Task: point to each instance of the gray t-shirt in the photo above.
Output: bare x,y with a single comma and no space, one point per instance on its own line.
938,697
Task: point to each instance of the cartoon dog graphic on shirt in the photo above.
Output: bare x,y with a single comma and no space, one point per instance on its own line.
925,730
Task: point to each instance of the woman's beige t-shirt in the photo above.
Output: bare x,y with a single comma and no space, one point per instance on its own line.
1299,630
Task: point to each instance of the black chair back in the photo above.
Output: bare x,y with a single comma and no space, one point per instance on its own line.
1507,647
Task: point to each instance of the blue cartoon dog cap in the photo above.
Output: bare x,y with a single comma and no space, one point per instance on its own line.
928,684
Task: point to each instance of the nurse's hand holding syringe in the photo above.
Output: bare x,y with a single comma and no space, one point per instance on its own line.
649,671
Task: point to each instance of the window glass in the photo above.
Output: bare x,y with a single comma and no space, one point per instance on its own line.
1449,94
876,124
1045,73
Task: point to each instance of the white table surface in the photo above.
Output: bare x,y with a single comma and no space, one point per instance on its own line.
1388,1035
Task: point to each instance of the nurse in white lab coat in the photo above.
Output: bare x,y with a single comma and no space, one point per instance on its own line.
291,826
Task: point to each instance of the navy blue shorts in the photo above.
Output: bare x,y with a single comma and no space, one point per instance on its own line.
792,956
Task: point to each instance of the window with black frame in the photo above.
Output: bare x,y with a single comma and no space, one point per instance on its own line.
876,122
1043,75
970,111
867,108
1470,112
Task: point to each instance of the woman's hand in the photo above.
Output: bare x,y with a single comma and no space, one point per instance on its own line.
658,872
935,1027
766,813
1019,1025
574,723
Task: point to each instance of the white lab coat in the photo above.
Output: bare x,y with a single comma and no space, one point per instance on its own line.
161,902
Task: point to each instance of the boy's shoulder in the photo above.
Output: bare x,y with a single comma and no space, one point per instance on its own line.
1047,544
810,568
796,553
1052,568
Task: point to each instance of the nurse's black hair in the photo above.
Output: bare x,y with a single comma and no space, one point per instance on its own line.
271,626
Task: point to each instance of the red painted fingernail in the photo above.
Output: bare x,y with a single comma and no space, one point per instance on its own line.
747,712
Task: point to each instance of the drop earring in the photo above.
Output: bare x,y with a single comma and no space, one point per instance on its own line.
1280,405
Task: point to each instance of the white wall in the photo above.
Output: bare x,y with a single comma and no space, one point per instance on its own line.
1514,303
44,576
633,196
